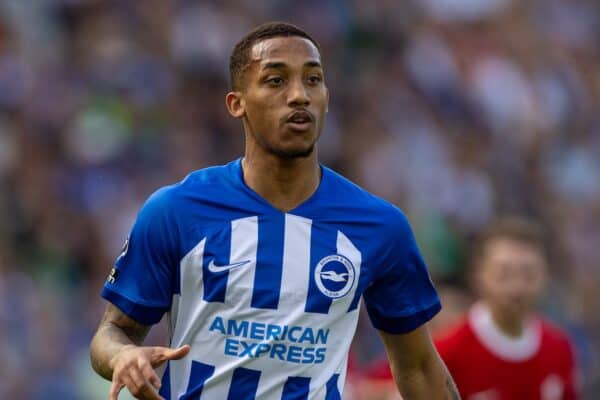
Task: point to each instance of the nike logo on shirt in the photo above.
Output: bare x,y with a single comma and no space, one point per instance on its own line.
221,268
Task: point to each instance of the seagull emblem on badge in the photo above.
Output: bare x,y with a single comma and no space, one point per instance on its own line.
334,276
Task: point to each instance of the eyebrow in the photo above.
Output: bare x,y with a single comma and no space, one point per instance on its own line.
279,65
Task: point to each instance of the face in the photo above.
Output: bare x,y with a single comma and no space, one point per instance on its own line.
284,99
511,276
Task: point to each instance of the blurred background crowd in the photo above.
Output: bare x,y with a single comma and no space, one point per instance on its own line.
455,110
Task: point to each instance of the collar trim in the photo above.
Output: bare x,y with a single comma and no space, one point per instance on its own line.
505,347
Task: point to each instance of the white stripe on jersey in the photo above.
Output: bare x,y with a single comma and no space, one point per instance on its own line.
296,262
186,308
244,243
345,247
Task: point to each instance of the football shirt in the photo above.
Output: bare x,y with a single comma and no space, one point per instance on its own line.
268,300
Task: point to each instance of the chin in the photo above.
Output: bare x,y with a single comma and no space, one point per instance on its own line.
293,150
291,154
517,309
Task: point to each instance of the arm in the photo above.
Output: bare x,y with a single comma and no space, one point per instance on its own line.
116,354
417,368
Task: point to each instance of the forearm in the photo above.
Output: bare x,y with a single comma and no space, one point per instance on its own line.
115,332
431,381
108,341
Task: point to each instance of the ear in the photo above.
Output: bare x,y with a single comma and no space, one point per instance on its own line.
235,104
327,100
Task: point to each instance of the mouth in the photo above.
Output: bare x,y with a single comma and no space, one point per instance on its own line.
300,120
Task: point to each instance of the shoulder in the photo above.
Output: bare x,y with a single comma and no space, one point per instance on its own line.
214,175
554,335
349,195
176,197
557,348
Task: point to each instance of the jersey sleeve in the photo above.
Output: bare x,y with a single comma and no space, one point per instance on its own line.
401,297
141,282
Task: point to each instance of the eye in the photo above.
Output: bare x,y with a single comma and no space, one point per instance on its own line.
315,79
275,81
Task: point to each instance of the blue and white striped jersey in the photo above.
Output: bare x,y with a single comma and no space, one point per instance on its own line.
267,300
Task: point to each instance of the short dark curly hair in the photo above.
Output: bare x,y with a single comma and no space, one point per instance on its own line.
240,56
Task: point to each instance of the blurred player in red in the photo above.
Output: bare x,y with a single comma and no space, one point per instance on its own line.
502,349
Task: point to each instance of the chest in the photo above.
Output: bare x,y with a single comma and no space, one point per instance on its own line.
281,262
483,376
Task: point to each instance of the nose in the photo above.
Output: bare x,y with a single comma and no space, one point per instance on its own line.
520,286
298,94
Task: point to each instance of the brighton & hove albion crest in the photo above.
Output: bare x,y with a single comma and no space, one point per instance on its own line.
334,276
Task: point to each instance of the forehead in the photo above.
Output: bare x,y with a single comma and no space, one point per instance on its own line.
504,249
285,49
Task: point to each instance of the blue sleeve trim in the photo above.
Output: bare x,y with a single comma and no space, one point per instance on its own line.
143,314
397,325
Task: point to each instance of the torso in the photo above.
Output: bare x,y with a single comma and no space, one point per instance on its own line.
269,300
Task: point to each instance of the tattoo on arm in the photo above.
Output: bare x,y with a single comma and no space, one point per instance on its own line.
115,331
121,324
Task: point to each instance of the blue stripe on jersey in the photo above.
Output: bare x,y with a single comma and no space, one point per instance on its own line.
357,293
165,385
323,243
269,262
244,384
217,250
296,388
198,375
332,389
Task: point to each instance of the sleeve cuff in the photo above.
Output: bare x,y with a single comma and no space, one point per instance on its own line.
399,325
146,315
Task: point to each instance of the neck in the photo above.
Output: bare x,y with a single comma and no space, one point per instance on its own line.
510,324
285,184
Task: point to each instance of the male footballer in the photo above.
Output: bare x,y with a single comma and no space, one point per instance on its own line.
261,264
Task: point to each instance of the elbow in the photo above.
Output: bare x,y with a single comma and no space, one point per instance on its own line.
93,355
96,358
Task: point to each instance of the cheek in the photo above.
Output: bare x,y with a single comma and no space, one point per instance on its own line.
495,285
260,114
320,99
536,286
261,99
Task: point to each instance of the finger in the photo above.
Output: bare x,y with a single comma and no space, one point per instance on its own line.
129,384
161,354
176,354
137,378
144,391
151,376
115,388
147,392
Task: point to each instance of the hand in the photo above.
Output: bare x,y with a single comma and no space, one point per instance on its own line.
134,367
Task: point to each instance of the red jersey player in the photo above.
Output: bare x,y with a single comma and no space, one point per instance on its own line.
502,349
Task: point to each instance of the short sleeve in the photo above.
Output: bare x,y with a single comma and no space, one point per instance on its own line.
402,296
141,282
